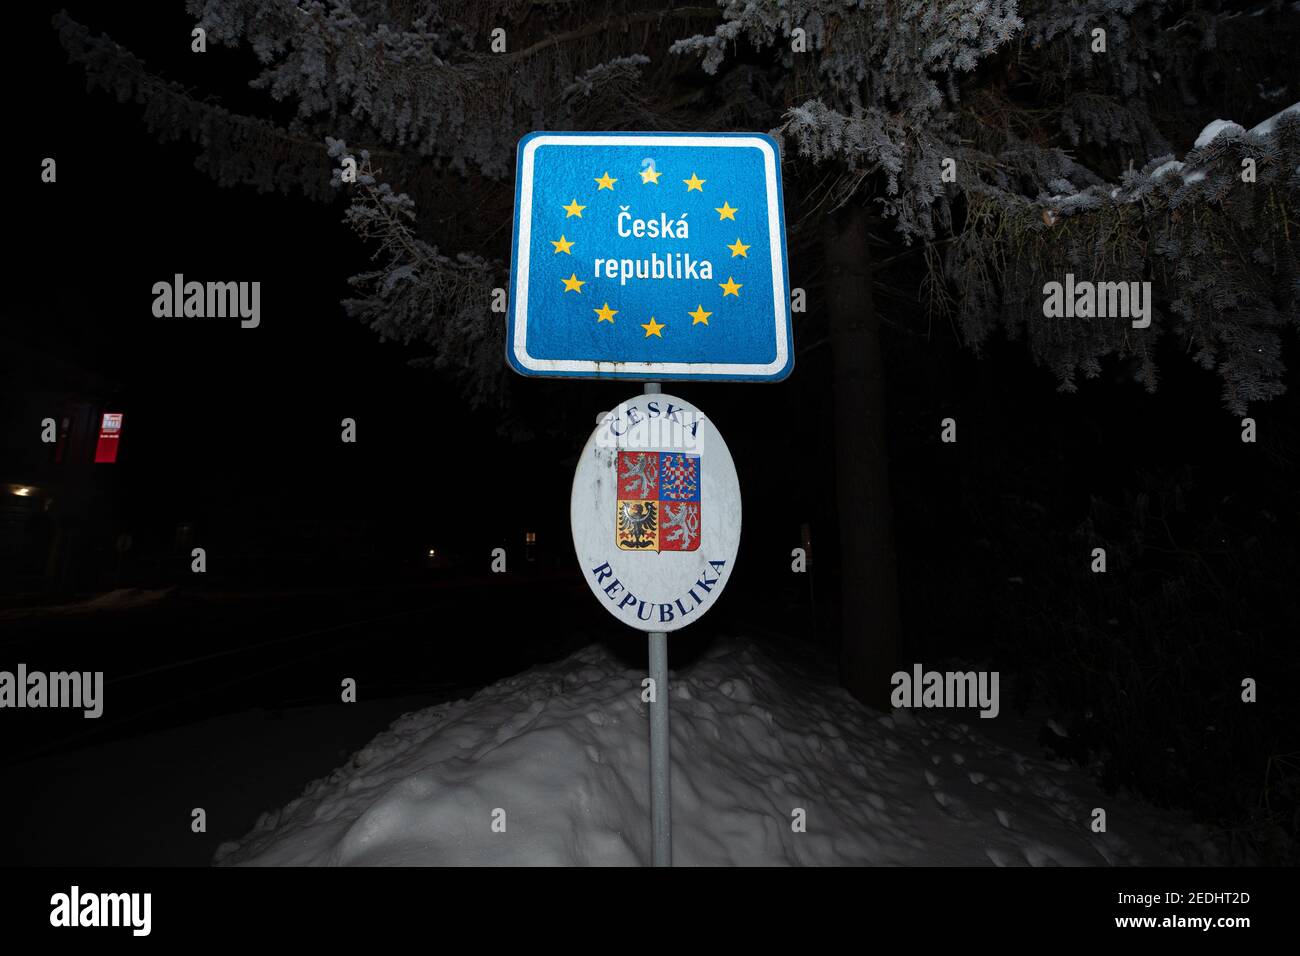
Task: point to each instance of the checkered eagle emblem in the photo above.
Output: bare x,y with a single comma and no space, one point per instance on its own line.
658,501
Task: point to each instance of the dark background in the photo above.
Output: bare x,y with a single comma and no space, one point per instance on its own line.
317,550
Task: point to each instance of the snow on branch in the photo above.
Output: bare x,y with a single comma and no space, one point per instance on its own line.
235,149
1215,233
416,293
427,84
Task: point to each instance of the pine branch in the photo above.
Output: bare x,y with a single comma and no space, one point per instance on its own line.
624,21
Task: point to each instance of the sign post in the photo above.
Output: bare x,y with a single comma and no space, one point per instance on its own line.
652,257
661,803
661,768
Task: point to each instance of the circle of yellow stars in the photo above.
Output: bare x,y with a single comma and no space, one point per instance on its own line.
650,177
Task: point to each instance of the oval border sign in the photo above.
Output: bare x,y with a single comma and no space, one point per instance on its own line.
655,512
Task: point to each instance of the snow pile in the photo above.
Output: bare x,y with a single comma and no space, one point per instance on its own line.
1220,127
1212,132
1267,127
1172,166
1216,129
129,597
563,750
117,600
1136,186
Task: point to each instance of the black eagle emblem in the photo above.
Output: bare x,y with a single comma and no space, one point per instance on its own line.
637,524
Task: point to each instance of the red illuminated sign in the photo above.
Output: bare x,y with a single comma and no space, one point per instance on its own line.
109,431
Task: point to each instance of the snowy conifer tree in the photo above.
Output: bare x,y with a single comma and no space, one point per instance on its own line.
1001,143
1054,144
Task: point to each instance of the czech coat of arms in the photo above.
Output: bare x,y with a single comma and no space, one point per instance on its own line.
658,501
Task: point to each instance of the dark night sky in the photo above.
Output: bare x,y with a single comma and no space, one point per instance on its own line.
217,414
213,407
237,431
223,419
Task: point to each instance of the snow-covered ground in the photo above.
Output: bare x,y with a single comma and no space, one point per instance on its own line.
118,600
559,754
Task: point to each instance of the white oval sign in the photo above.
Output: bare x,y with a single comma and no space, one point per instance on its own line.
656,512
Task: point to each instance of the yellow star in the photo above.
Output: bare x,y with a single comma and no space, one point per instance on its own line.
651,176
725,211
731,287
574,284
606,183
573,209
699,315
564,245
606,314
694,183
654,328
739,249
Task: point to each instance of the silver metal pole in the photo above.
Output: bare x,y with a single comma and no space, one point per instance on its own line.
661,805
661,798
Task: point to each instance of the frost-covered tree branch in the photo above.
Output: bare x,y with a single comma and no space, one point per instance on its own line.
1060,154
417,294
234,149
992,134
1223,255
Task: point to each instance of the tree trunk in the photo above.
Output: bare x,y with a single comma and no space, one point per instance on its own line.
870,626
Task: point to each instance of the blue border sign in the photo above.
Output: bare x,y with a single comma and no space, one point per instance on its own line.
650,256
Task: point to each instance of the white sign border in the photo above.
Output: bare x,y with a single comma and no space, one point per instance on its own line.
649,369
